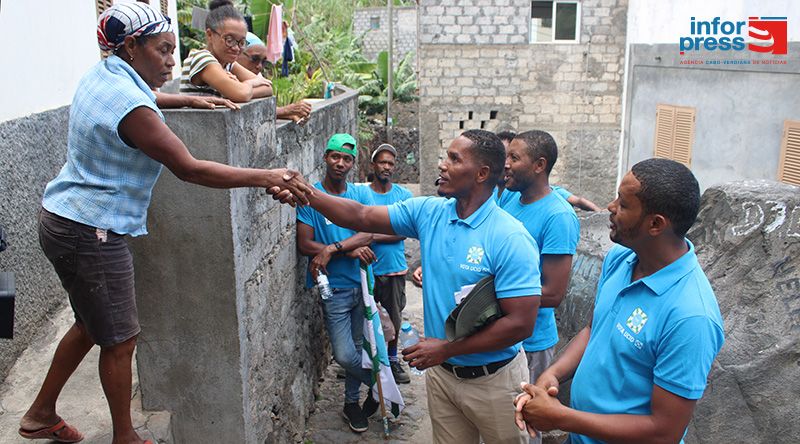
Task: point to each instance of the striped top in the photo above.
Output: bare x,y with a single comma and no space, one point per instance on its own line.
105,183
195,62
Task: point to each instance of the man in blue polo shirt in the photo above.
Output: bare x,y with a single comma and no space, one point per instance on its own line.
471,382
391,268
336,252
552,223
641,364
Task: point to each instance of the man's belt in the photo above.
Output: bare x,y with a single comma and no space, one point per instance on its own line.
472,372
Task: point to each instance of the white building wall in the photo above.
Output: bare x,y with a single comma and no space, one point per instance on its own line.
46,47
653,22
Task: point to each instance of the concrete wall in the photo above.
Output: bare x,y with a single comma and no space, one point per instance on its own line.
43,73
740,110
404,33
32,151
478,71
231,342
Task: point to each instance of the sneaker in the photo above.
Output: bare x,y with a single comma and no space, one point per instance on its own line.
399,373
370,405
354,417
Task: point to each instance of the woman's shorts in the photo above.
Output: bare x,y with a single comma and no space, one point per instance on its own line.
96,268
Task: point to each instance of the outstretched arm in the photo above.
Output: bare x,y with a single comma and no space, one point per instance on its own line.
583,203
143,129
353,215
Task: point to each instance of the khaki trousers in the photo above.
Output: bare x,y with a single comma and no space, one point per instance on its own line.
466,410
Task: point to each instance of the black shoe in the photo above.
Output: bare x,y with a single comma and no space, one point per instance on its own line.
399,373
354,417
370,405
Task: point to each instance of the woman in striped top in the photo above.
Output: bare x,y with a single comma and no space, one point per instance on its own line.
214,70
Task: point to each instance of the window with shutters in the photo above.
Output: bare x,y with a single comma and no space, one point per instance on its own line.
789,166
674,133
165,7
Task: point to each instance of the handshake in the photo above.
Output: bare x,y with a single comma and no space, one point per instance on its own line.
537,409
288,186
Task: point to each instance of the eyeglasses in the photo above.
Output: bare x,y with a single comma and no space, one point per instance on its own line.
231,42
257,60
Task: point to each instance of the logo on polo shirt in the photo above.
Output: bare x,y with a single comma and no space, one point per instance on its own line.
637,320
475,255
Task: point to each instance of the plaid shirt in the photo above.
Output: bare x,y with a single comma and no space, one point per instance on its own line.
105,183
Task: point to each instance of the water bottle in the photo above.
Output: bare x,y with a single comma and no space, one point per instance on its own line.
324,286
408,336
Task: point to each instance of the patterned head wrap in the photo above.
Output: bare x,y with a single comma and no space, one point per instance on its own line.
129,19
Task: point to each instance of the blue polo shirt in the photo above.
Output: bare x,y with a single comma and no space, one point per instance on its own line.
458,252
504,198
391,256
343,272
552,223
563,192
664,329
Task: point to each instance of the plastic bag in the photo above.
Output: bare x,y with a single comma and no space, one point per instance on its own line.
386,323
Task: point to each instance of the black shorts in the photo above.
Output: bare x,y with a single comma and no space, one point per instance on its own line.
390,292
97,274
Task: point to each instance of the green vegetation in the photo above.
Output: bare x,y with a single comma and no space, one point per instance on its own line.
324,28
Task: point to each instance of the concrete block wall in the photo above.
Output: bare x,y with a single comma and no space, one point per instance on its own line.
232,342
571,90
374,41
32,151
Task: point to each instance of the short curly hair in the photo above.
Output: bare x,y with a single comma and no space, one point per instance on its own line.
489,150
540,144
670,189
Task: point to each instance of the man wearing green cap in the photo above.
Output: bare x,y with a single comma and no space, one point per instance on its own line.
336,252
471,382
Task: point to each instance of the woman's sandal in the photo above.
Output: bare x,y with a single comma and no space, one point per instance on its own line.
60,432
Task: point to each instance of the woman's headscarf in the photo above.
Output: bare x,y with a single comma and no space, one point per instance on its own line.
129,19
253,39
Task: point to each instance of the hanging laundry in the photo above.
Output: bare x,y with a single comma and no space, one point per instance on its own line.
275,34
288,56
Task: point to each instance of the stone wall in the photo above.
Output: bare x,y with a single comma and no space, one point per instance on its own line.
374,41
748,242
231,341
32,151
477,71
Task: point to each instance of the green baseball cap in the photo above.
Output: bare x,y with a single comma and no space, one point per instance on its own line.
337,142
478,309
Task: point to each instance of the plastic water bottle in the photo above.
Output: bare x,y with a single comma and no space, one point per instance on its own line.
324,286
408,336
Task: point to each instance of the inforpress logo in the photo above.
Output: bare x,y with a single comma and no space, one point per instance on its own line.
768,29
770,34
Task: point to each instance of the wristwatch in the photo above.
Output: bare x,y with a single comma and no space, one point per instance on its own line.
338,246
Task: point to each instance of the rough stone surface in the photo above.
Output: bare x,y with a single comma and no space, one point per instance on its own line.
748,242
576,308
231,341
32,151
494,81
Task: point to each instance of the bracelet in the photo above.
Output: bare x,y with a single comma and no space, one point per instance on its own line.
338,246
